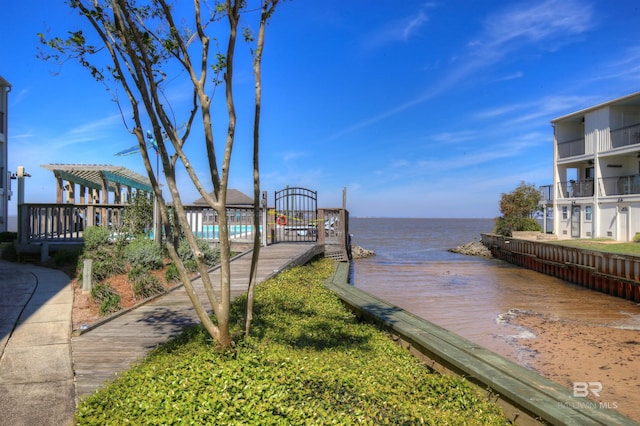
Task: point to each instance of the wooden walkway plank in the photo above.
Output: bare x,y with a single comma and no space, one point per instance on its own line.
113,346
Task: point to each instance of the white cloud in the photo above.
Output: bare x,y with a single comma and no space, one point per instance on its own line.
451,138
542,24
400,30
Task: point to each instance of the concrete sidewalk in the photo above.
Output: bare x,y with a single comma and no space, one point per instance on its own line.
36,373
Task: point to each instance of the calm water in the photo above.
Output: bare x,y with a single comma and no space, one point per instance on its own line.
469,295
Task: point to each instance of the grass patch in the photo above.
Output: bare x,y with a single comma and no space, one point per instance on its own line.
308,361
603,245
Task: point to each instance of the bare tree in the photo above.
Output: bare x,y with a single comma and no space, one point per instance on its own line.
138,46
267,10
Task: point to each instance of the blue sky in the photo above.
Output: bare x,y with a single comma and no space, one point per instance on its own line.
418,109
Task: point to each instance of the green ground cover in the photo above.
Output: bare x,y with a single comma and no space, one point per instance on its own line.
308,361
604,245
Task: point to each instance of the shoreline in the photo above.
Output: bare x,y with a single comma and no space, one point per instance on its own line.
584,357
581,356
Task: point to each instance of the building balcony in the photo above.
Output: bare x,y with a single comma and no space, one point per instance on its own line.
571,148
576,189
607,187
625,136
619,185
546,194
618,138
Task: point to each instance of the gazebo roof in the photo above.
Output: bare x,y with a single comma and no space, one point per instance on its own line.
92,175
234,198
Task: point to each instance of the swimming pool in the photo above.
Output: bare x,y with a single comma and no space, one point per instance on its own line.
211,232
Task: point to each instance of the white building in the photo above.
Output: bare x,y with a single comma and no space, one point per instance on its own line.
5,178
596,164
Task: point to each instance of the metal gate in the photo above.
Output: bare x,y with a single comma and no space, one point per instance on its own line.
296,215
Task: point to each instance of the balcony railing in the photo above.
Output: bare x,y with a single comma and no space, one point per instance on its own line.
571,148
625,136
576,189
619,185
607,187
546,194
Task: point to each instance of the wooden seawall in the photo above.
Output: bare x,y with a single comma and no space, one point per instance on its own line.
525,396
610,273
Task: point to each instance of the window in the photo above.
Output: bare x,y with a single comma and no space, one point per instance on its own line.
588,210
565,212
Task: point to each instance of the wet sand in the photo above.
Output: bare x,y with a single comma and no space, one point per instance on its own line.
570,351
562,331
565,332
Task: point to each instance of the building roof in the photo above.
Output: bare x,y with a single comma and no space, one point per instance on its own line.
92,175
632,99
234,198
4,83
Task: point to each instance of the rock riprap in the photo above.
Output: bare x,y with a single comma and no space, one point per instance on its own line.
358,252
474,248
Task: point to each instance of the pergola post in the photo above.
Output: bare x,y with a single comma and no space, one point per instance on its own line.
83,190
105,190
59,188
117,196
71,192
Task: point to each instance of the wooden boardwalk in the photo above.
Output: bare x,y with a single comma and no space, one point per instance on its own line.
103,352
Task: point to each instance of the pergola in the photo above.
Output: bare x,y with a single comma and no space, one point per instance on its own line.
99,179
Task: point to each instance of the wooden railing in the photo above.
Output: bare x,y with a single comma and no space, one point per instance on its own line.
204,222
335,236
64,223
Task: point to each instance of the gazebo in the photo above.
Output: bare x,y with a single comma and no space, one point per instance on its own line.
99,180
235,198
64,221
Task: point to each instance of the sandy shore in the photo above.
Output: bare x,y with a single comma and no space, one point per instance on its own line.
573,351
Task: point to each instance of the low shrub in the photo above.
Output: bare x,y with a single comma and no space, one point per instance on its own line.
171,274
308,361
146,285
505,225
211,254
66,257
8,252
143,252
6,237
105,266
143,283
106,297
95,237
